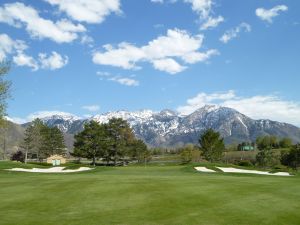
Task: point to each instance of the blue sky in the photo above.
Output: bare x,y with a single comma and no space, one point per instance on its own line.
94,56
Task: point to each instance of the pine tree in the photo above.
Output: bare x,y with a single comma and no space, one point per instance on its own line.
91,142
52,141
212,145
32,142
120,137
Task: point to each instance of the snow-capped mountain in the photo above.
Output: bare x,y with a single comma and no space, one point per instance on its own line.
63,122
168,128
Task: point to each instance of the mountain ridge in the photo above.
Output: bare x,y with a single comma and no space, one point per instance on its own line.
168,128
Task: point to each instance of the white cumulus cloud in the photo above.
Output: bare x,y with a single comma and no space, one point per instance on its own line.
163,52
234,33
127,81
204,8
22,59
257,107
16,49
53,61
18,14
89,11
9,46
269,14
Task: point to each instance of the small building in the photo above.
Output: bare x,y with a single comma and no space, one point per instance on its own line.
56,160
248,148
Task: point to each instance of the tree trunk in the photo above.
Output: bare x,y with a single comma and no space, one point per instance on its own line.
115,160
94,161
26,154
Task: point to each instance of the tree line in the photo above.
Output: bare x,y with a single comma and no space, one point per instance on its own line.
111,142
40,142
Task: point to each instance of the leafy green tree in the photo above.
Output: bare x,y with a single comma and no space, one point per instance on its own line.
120,137
292,157
265,157
91,143
263,142
4,95
285,143
189,153
212,145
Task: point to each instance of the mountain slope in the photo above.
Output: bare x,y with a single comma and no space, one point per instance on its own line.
167,128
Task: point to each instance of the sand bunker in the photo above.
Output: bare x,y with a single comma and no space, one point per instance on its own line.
204,169
50,170
234,170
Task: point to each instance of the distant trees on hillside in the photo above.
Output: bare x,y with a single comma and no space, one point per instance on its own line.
113,141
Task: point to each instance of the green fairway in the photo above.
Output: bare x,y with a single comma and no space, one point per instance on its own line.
147,195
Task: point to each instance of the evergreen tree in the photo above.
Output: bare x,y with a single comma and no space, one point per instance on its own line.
91,142
28,141
32,142
120,138
138,150
52,141
212,145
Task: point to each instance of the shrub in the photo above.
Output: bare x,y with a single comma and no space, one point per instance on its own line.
246,163
18,156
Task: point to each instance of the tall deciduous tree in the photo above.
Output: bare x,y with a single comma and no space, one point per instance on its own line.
4,94
212,145
4,88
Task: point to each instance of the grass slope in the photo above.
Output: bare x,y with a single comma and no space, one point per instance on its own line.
151,195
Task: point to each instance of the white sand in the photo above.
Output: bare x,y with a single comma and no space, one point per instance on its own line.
50,170
234,170
204,169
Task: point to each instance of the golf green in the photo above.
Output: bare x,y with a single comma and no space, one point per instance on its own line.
147,195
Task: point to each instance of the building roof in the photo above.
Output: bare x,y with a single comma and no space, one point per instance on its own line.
56,157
